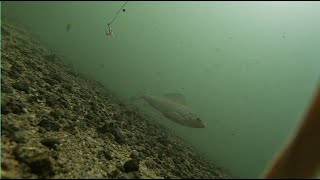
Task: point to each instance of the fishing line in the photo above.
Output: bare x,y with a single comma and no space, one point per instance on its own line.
117,13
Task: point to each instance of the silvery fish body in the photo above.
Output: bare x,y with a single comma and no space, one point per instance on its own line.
173,107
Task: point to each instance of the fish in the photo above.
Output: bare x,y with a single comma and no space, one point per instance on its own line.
233,132
173,107
68,27
300,156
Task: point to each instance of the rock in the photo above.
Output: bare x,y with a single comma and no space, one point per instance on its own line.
176,172
105,128
68,87
6,88
151,164
6,176
134,175
120,137
5,31
156,160
164,173
51,81
120,167
163,140
51,101
106,154
9,105
14,72
130,175
41,165
21,86
50,57
71,129
82,125
72,72
49,125
5,166
50,142
25,110
115,174
134,154
11,131
56,114
110,136
64,103
131,165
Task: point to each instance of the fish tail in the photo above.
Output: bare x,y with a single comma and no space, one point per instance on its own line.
134,98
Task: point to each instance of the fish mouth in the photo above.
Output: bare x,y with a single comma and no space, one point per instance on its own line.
201,126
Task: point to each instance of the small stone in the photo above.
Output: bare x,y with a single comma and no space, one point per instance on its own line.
106,154
71,129
50,142
119,137
25,110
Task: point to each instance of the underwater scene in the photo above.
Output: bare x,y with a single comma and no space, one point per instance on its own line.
160,90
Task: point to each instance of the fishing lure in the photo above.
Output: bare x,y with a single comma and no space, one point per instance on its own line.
109,31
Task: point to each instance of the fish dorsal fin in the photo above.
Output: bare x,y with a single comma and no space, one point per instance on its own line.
176,97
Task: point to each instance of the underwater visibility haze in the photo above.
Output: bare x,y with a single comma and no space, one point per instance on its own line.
247,69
